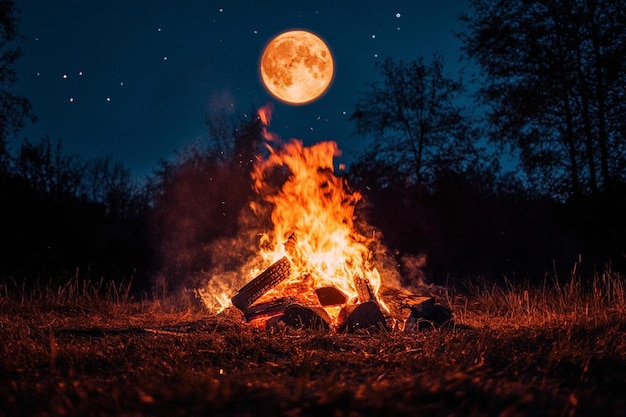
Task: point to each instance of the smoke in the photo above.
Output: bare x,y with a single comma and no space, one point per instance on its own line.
412,270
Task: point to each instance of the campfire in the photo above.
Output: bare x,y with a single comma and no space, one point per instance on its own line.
314,268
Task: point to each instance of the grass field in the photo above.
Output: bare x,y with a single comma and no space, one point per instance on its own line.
89,349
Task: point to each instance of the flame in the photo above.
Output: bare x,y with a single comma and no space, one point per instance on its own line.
215,297
313,221
265,116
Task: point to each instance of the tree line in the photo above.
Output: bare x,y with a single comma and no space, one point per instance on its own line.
550,93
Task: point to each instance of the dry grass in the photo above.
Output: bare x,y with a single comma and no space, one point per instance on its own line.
90,349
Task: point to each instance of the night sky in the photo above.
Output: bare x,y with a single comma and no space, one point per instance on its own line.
133,80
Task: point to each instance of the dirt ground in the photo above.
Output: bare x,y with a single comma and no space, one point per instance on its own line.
102,361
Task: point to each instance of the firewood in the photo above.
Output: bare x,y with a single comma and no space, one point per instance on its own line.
268,279
330,296
403,302
306,317
436,317
363,289
267,309
361,316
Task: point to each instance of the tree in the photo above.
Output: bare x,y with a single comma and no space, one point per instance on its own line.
414,119
111,184
554,78
47,170
13,109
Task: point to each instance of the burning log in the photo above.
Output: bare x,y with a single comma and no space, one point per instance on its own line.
361,316
268,309
330,296
306,317
364,290
268,279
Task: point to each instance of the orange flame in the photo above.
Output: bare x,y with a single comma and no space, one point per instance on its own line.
265,116
313,219
313,226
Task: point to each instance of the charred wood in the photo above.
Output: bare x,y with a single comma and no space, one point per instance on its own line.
364,290
330,296
268,279
413,312
267,309
402,302
438,316
306,317
361,316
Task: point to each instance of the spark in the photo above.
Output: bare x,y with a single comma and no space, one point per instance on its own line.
80,73
165,58
65,76
373,36
71,99
108,99
398,15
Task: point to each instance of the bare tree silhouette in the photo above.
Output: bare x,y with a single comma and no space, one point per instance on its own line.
414,119
555,75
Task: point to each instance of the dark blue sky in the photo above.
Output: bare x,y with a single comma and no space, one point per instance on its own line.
133,79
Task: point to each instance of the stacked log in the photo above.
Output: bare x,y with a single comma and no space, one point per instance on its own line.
407,311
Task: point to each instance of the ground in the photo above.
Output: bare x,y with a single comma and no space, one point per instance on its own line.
103,356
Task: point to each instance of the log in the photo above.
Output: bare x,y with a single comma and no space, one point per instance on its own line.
268,279
436,317
267,309
306,317
363,289
361,316
330,296
411,312
402,302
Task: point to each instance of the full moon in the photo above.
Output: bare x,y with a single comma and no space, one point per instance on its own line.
296,67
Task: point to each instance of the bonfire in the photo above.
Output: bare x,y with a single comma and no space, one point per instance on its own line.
314,268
